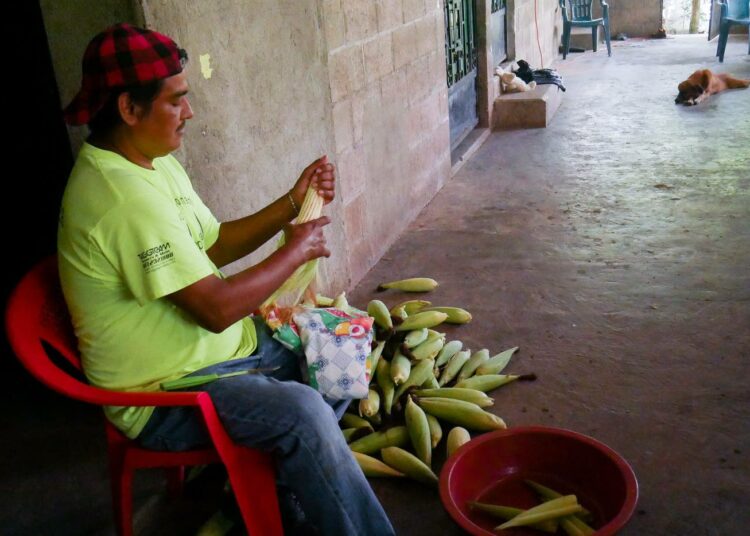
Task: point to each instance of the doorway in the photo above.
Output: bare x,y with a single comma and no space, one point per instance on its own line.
461,68
678,13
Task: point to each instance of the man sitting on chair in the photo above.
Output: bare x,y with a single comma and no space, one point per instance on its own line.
139,254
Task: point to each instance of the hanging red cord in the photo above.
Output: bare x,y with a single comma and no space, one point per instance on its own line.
538,44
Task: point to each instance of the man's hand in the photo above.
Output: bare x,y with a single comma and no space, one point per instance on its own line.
307,239
321,176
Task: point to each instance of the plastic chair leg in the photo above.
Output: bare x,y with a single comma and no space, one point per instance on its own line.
723,37
594,36
253,480
607,38
121,480
175,479
252,476
566,41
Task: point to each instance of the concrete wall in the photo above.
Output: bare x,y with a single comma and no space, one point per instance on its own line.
390,115
276,83
263,113
523,41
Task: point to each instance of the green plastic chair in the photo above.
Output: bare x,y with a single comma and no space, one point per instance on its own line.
578,14
733,13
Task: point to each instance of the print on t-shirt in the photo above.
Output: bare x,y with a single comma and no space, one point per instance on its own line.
157,257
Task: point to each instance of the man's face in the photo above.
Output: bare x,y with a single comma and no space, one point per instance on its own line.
159,131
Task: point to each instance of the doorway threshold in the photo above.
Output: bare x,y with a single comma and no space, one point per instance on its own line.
467,148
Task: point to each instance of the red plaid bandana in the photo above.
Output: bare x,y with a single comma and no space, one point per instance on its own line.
121,56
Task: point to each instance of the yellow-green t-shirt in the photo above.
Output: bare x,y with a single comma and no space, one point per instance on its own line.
129,236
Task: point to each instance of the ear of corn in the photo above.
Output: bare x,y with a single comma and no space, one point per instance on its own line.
495,364
350,420
373,467
431,382
419,431
193,381
374,358
409,464
400,368
461,413
380,313
496,510
399,312
457,437
418,375
449,350
376,420
547,494
413,284
454,366
371,405
476,359
469,395
575,525
565,500
436,431
323,301
537,515
293,288
415,337
427,319
433,334
488,382
570,528
428,349
351,434
411,306
456,315
508,512
312,206
340,302
188,381
396,436
385,383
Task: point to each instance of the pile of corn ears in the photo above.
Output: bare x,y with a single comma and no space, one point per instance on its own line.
419,384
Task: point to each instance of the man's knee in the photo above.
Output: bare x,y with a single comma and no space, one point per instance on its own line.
310,407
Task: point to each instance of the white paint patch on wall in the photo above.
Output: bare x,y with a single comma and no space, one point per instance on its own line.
205,61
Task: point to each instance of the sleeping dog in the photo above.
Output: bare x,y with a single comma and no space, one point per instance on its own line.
703,83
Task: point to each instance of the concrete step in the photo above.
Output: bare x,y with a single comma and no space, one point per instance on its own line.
530,109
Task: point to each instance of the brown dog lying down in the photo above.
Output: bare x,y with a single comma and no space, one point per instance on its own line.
703,83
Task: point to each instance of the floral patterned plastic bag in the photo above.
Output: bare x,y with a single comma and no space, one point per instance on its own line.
336,346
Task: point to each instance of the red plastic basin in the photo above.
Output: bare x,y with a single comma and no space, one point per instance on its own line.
492,467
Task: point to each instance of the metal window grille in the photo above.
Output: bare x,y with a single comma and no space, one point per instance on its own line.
460,49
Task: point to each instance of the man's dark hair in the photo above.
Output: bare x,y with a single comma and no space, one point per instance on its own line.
109,116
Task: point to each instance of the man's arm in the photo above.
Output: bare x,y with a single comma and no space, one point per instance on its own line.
217,303
240,237
243,236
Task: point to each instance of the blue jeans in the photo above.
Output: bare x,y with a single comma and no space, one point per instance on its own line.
274,412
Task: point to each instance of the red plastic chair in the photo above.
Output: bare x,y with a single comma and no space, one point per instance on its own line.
37,313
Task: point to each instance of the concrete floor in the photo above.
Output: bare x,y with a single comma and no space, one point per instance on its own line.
612,247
